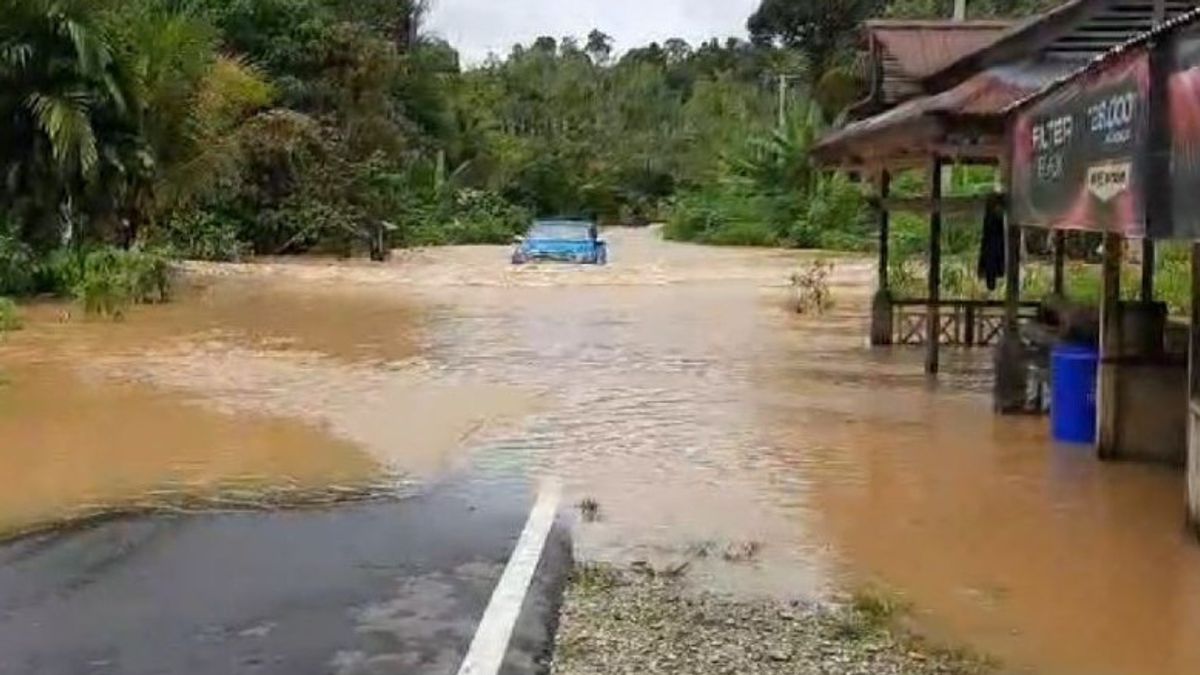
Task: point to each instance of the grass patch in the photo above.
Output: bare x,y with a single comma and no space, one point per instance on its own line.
871,611
594,577
878,606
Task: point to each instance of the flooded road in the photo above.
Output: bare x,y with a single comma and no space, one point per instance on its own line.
775,453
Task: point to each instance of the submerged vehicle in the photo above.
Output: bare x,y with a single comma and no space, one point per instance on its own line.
575,241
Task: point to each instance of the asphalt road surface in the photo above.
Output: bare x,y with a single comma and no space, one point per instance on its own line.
395,587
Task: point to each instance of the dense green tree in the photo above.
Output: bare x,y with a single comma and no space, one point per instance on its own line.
819,29
599,47
70,128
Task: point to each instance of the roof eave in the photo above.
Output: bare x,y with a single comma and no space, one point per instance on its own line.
1018,42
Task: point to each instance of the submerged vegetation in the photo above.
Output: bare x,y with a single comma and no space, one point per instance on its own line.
10,319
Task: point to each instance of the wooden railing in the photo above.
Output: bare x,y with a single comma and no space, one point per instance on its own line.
971,323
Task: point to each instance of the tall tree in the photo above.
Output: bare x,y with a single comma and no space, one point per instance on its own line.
67,111
819,29
599,47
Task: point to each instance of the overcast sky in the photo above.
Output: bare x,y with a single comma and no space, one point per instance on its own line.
477,27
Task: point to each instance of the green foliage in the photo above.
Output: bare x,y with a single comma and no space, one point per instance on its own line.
833,217
10,318
729,216
204,235
821,30
111,280
60,272
767,191
474,217
17,264
65,101
1173,278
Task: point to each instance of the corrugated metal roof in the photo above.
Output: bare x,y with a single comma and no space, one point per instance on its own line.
922,48
906,51
986,94
1076,30
983,83
1170,26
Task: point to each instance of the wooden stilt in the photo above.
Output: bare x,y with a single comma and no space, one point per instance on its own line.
1060,258
1108,436
881,305
885,182
933,318
1193,450
1012,276
1148,265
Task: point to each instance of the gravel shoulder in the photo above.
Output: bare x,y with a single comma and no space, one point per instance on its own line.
617,621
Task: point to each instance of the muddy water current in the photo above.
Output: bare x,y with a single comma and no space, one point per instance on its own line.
774,453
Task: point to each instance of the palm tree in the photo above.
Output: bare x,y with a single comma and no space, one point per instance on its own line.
64,111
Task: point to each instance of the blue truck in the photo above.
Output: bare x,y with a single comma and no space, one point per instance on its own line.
573,241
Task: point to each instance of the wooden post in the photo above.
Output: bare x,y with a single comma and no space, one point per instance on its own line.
1012,277
1060,257
885,182
1148,270
933,318
1193,451
881,304
1009,395
1108,433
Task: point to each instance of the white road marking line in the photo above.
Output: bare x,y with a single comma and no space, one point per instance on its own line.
490,644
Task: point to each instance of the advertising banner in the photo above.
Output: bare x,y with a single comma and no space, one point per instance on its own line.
1079,155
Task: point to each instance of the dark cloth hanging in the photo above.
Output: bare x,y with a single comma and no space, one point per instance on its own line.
992,248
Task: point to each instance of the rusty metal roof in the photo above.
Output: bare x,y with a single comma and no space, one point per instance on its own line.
1077,30
1170,26
973,91
925,119
906,51
921,48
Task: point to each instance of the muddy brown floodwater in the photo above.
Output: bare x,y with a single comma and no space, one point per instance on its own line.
776,452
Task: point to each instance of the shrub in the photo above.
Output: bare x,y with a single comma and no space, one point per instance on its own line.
811,286
743,233
833,217
204,235
908,235
60,272
113,279
1173,282
725,215
10,319
473,217
17,265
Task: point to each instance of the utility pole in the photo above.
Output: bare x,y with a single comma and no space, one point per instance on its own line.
782,80
782,100
960,10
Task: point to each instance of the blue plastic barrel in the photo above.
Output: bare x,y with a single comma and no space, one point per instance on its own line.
1073,402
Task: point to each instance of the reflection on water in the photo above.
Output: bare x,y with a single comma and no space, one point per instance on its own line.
673,387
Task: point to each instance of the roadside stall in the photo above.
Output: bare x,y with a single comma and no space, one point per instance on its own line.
1115,149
